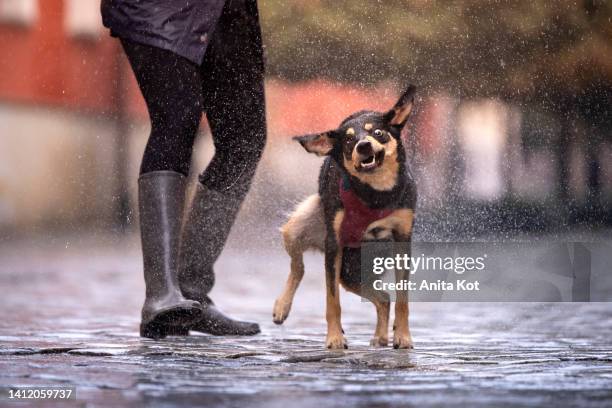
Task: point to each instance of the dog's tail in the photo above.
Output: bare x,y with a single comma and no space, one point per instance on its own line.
304,230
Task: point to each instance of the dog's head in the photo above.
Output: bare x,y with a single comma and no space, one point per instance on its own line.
367,144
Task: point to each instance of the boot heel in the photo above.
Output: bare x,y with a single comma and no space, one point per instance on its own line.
177,331
153,331
158,332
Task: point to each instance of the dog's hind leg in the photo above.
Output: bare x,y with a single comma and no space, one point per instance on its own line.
304,230
381,334
282,305
382,303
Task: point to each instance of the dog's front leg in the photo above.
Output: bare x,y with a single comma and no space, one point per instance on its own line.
335,337
333,264
402,338
396,227
401,329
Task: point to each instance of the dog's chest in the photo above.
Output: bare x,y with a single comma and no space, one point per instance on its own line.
357,216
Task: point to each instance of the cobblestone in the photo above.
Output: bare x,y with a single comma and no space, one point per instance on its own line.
71,318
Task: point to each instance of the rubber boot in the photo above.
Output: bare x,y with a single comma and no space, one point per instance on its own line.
161,197
205,232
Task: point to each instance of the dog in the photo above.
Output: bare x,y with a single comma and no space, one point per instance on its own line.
366,193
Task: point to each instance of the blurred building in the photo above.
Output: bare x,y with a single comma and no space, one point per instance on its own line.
60,120
73,123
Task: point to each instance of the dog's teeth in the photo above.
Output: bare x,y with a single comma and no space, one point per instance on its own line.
369,163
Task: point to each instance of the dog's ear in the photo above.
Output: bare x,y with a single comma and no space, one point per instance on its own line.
398,115
320,144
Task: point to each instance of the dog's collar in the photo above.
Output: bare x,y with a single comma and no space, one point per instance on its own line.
382,199
345,182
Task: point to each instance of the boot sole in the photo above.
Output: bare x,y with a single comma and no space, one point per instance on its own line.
210,328
250,332
171,322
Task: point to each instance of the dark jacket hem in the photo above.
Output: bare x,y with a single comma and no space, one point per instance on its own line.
195,57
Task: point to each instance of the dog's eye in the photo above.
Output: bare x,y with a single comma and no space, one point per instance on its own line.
378,132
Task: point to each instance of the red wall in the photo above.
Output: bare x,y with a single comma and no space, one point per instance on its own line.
43,64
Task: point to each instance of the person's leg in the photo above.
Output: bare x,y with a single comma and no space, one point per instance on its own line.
170,86
233,88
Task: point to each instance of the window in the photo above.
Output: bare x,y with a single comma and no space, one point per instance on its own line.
82,18
22,12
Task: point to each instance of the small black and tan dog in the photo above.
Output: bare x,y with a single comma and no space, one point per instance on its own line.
366,193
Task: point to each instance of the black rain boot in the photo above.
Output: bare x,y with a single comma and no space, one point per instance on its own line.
161,197
204,235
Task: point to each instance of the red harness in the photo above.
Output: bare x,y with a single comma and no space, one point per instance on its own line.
357,216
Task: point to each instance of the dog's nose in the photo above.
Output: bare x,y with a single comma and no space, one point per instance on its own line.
364,148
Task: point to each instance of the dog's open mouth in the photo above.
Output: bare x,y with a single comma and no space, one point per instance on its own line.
371,162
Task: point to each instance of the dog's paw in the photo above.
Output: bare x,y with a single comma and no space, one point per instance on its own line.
281,311
379,341
336,342
402,342
378,234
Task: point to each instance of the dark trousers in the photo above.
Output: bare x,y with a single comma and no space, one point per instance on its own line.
228,87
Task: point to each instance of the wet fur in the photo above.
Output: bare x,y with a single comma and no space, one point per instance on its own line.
315,223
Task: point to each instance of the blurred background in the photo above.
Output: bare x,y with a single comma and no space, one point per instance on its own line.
512,133
511,139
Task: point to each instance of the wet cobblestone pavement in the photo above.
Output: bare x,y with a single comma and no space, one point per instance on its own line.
71,317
